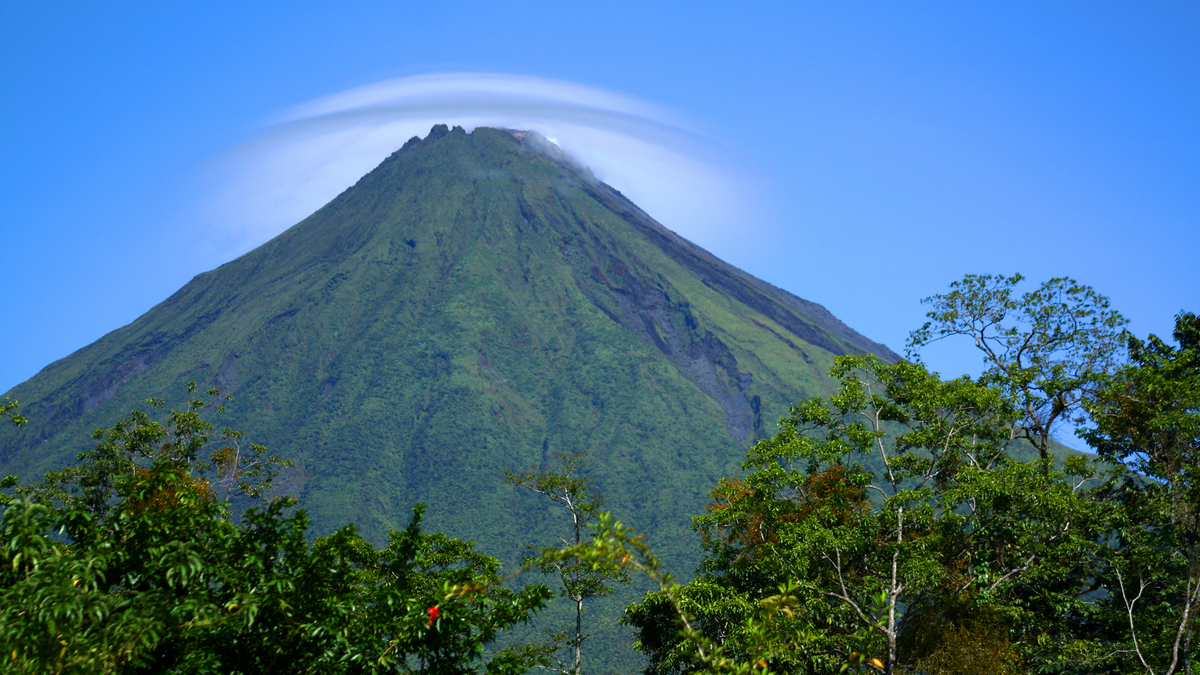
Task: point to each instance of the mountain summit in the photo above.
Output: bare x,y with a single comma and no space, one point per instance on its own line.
476,303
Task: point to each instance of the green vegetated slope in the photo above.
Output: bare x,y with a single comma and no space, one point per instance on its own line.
472,305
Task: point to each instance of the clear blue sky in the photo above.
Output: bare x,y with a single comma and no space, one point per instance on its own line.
889,147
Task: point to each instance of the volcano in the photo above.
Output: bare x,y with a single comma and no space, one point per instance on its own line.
477,303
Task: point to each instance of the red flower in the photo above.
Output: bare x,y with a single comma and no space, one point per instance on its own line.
433,615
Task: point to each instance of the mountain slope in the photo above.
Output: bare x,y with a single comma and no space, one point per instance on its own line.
474,304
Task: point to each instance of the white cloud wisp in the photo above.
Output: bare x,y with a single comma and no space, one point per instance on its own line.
312,152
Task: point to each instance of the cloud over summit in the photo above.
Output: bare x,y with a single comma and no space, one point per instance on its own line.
311,152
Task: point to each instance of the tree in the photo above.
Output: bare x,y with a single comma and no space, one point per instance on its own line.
8,408
132,562
769,632
882,505
1044,349
186,441
889,509
581,579
905,537
1147,418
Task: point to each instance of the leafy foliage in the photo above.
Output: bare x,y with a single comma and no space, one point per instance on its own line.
908,540
1044,349
184,445
136,565
875,556
8,408
581,579
1147,417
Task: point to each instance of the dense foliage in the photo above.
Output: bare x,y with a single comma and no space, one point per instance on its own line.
949,532
132,562
905,537
582,580
1147,417
891,526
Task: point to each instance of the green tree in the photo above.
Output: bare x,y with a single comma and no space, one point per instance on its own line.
580,579
769,633
133,562
905,539
8,408
1147,418
887,509
186,441
1045,349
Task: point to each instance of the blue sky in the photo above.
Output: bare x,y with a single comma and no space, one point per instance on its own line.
872,152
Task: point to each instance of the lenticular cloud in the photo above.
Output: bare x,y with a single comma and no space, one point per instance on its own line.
310,153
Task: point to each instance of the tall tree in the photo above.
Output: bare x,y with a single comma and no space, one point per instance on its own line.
883,506
581,579
1147,418
1044,348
